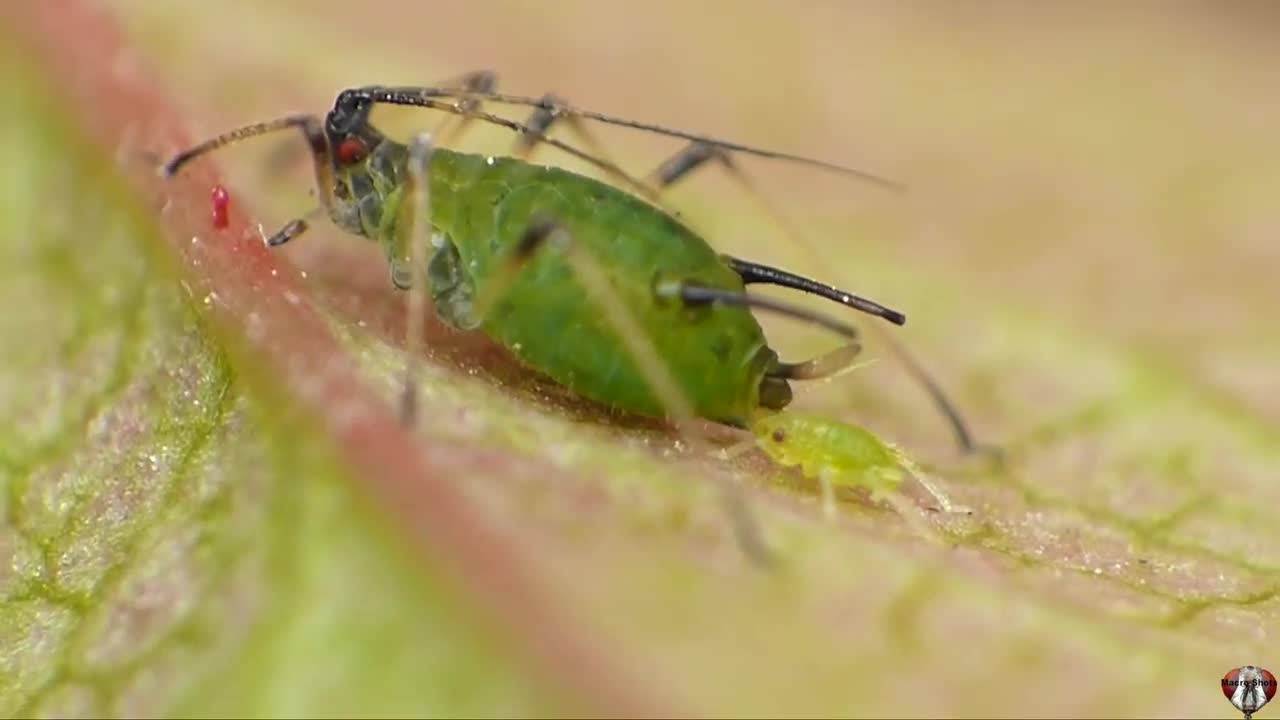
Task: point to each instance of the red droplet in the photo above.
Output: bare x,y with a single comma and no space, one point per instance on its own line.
221,201
351,150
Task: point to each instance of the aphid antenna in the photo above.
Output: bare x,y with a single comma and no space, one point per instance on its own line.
423,95
307,123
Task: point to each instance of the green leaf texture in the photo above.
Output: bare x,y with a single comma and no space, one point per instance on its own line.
1086,256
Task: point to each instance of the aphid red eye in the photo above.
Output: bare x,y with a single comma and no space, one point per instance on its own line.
351,150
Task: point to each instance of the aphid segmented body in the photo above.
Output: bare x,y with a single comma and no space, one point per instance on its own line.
838,454
823,447
488,215
482,208
602,290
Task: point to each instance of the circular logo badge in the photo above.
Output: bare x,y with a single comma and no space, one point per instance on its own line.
1249,688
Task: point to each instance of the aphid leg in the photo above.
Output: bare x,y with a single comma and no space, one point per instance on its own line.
478,82
910,512
476,85
828,486
693,294
293,228
312,129
753,273
466,104
550,109
283,156
550,235
825,365
543,118
431,97
697,154
415,227
944,404
926,492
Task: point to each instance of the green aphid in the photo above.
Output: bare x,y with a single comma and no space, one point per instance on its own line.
597,286
837,454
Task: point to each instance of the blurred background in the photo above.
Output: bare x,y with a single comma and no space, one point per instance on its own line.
1086,254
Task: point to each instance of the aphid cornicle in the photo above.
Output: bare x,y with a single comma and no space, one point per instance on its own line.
490,218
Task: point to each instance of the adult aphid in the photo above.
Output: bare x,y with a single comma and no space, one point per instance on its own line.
597,286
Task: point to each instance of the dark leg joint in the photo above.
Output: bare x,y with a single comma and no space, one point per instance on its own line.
480,81
686,161
287,233
539,122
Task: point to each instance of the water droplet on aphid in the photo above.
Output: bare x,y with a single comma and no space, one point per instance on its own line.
194,239
304,274
273,272
489,160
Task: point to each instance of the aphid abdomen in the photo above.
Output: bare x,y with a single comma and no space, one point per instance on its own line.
717,354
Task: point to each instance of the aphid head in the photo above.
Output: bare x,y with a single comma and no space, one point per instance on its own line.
772,430
350,113
348,130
